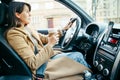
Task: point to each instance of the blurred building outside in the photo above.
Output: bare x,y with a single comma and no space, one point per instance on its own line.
108,10
49,14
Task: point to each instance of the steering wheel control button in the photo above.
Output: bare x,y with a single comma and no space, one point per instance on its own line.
105,72
100,67
95,63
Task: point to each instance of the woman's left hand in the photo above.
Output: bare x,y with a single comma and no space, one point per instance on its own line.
72,20
67,26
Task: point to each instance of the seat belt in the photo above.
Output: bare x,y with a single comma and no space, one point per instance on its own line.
34,41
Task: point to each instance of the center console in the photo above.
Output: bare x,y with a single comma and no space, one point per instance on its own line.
107,54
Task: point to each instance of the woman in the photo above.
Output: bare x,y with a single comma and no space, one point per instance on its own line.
37,49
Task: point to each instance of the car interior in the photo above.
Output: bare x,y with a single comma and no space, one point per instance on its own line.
99,43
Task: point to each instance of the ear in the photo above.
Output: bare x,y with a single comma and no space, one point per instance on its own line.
17,15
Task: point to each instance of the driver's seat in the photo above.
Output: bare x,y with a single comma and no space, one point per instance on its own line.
12,67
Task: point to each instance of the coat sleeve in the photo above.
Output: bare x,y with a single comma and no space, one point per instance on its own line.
17,40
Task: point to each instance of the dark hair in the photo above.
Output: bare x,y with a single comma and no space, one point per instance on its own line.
14,7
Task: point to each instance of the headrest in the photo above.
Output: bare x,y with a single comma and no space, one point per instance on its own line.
6,1
3,14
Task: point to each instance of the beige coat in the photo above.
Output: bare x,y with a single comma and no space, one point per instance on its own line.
59,69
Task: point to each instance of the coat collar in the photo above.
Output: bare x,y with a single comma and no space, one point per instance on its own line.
33,33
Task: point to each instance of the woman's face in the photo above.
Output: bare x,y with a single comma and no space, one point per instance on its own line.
24,16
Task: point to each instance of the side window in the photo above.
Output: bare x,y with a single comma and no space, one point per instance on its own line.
49,14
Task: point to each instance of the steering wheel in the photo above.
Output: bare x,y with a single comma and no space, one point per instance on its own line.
71,34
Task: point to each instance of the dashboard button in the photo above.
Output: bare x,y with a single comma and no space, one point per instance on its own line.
105,72
100,67
95,63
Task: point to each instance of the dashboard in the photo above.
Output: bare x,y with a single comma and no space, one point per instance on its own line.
107,54
100,43
89,37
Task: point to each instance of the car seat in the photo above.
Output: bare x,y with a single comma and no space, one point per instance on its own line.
12,67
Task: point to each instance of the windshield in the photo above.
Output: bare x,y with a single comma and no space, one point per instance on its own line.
101,10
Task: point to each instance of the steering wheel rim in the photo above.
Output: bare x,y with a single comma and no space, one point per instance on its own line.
71,35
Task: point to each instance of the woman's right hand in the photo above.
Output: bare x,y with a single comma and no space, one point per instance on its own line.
53,39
